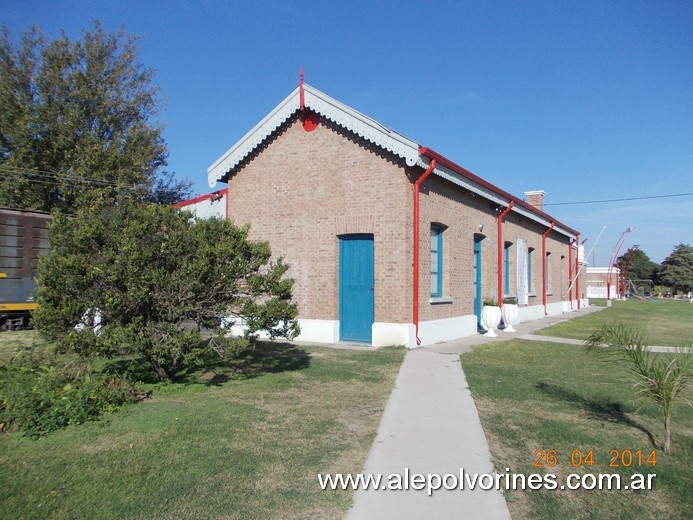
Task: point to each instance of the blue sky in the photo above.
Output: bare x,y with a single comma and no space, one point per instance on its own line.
585,100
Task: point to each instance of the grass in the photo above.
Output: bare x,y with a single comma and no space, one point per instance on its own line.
542,396
13,341
244,442
668,323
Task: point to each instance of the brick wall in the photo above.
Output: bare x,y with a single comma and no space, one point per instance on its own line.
301,190
304,189
462,212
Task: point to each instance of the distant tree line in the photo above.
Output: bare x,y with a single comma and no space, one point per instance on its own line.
676,271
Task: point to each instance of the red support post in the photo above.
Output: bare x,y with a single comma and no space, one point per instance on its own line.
577,271
570,270
417,186
500,250
543,266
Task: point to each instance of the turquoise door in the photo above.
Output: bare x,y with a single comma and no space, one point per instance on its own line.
477,279
356,291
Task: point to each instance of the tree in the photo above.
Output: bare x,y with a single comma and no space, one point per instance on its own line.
152,278
677,268
75,122
660,377
640,267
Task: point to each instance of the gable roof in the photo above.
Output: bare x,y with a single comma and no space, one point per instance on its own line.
371,130
327,107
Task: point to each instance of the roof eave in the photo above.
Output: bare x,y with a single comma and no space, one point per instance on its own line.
372,131
326,107
448,169
220,169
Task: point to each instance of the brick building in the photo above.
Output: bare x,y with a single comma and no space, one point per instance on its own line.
388,241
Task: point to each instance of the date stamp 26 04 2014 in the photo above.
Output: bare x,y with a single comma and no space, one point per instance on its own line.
581,458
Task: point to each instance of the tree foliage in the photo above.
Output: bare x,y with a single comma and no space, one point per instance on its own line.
677,268
661,378
75,122
152,278
640,267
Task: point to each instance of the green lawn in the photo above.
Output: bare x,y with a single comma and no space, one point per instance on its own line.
541,396
241,443
664,322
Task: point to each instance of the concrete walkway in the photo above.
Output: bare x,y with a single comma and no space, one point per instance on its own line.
431,426
568,341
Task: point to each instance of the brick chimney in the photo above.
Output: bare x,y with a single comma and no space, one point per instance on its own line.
536,199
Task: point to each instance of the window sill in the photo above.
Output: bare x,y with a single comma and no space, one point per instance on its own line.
549,294
439,299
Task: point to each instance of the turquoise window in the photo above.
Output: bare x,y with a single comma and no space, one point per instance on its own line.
436,261
506,268
530,254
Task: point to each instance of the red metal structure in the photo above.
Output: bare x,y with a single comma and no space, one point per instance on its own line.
499,221
570,269
577,269
614,256
417,187
543,265
624,268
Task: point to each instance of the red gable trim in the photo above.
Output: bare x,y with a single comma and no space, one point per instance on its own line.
430,154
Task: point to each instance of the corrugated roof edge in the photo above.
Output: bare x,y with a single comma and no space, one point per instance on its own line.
327,107
444,161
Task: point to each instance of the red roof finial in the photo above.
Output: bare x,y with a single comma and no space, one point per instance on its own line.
300,87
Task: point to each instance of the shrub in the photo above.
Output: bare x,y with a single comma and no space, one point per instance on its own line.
156,278
38,400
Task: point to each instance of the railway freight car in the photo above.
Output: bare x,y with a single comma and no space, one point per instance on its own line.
23,238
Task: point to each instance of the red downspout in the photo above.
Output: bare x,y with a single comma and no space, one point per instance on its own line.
417,185
500,250
570,270
577,270
543,266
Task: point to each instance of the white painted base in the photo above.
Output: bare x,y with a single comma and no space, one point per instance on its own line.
535,312
575,305
319,331
430,332
435,331
554,309
385,334
312,331
327,331
530,313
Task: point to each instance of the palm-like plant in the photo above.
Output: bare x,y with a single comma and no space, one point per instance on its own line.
660,377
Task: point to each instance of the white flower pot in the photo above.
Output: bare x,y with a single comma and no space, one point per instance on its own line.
509,312
491,317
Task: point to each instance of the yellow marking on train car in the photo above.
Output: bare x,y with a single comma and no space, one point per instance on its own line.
18,306
3,275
